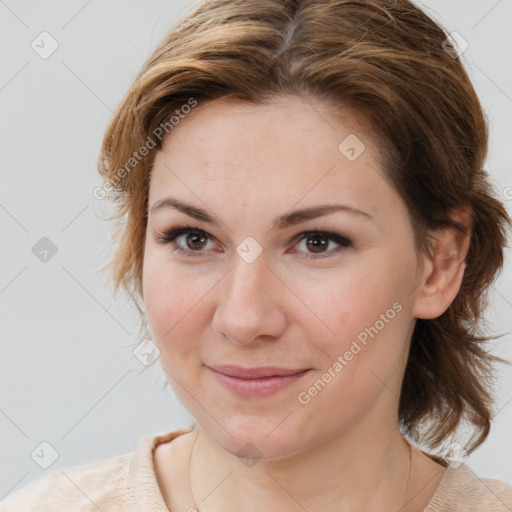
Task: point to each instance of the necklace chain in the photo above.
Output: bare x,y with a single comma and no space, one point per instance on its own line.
196,509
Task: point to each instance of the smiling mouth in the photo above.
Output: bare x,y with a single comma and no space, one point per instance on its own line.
256,382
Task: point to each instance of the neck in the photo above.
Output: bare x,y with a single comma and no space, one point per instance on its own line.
355,471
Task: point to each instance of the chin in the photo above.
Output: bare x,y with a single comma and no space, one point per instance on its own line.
255,438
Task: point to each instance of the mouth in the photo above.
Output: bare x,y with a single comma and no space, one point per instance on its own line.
256,381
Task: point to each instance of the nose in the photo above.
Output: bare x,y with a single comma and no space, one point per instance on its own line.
251,307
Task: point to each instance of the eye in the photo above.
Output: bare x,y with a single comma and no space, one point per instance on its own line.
317,241
194,240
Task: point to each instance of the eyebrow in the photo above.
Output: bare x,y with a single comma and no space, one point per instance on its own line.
282,222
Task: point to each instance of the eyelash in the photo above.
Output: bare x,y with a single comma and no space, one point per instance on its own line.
169,236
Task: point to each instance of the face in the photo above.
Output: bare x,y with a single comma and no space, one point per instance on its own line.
252,289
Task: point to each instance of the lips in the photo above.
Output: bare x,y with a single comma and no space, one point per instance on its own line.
256,382
256,372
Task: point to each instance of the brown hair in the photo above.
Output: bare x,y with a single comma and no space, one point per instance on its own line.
388,61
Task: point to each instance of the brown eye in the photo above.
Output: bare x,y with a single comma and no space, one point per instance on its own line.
317,243
314,244
195,240
186,240
190,241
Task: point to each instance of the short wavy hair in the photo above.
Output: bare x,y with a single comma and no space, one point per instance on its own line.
398,69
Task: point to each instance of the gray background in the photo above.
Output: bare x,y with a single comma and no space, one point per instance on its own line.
68,376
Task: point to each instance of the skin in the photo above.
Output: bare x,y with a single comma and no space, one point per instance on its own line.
246,165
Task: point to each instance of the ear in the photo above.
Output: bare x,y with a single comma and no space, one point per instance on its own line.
442,274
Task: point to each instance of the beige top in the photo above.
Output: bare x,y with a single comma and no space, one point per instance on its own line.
127,483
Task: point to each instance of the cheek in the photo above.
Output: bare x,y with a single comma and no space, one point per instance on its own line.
348,302
370,333
365,313
175,301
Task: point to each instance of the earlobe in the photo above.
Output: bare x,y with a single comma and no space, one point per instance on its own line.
442,277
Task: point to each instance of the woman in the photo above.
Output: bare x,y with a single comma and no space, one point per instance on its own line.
305,216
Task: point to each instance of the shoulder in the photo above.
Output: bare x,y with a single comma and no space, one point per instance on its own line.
499,493
124,483
94,486
462,489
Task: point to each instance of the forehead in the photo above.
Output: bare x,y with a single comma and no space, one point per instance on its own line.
289,148
280,124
